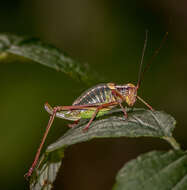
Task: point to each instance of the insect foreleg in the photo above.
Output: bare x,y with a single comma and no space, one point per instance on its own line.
123,109
118,94
145,103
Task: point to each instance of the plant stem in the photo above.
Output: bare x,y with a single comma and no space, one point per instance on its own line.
172,142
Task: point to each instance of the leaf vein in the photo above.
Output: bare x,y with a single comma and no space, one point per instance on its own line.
166,167
180,182
143,123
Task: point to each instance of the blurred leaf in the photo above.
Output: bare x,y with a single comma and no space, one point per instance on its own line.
155,171
139,123
16,47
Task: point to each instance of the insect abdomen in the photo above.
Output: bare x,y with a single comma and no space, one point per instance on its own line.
96,95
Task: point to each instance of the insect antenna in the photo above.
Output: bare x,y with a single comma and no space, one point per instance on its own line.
141,63
141,74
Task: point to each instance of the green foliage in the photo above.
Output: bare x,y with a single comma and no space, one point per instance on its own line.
154,170
139,123
31,49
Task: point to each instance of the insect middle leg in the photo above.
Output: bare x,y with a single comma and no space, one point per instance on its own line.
123,109
97,110
92,118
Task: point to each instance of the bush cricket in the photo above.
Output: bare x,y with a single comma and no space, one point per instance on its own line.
95,102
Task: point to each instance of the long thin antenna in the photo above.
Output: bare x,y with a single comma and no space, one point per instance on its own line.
151,60
141,63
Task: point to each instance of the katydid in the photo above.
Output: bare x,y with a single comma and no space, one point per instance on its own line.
96,102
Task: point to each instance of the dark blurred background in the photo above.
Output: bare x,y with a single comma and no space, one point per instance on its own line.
109,37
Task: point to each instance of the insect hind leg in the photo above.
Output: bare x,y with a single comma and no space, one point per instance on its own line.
31,169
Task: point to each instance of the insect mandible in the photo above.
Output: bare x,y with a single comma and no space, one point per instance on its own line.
96,102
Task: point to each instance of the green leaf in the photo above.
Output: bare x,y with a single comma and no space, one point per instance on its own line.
47,172
16,47
155,171
139,123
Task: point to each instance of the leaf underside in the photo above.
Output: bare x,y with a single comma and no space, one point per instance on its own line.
154,170
139,123
14,47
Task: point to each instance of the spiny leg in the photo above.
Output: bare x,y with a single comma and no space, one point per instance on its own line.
29,173
79,107
76,107
59,108
118,94
49,109
54,110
